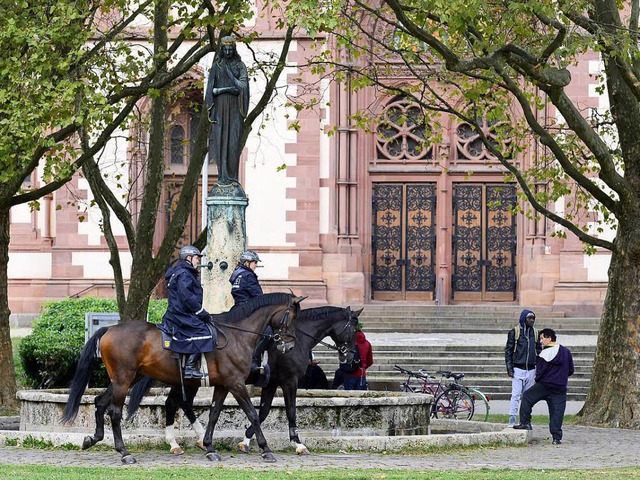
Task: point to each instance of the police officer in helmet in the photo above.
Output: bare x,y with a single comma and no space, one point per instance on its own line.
185,317
245,286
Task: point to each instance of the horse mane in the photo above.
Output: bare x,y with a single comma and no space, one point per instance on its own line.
311,314
243,311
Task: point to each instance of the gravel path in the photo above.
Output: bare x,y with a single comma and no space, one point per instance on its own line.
583,447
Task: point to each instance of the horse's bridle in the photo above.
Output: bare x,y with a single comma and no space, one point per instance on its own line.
280,335
344,348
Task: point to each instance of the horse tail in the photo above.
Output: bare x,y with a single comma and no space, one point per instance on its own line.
82,375
137,392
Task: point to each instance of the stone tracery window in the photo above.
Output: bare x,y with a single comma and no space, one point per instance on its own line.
402,132
469,145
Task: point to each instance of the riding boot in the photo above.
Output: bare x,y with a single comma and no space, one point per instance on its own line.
256,360
190,370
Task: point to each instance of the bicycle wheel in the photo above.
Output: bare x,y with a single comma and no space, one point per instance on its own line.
480,405
454,404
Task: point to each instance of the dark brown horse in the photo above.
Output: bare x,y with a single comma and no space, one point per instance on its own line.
314,324
134,349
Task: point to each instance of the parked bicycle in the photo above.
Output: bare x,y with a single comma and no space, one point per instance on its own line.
452,399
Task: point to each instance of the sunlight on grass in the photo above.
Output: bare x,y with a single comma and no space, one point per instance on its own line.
230,473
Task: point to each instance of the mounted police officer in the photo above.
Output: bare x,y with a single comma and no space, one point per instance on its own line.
185,317
245,286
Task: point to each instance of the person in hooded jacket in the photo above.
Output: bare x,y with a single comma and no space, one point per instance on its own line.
244,287
358,380
185,317
554,366
520,357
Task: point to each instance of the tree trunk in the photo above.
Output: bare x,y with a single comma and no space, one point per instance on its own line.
614,393
7,372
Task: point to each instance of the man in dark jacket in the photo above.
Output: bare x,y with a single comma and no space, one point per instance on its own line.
554,366
244,287
185,317
520,357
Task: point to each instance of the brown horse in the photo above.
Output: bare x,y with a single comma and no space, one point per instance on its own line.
134,349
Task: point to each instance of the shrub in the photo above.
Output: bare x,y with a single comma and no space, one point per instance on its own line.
50,353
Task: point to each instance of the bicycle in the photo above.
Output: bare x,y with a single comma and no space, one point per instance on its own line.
451,399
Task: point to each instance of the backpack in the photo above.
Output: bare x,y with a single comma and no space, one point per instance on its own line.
354,365
517,329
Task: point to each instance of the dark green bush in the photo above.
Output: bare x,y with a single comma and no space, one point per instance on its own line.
49,355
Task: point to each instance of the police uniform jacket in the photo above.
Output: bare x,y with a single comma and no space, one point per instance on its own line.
185,317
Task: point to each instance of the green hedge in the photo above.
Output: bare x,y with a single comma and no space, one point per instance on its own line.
49,355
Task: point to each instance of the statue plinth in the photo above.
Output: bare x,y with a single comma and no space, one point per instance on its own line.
226,240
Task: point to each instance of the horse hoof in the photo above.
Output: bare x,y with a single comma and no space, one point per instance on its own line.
176,451
214,457
128,460
87,443
200,445
269,457
242,448
302,451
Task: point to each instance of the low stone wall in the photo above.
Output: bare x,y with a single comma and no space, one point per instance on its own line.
332,411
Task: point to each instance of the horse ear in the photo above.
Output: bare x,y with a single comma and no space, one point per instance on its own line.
299,299
358,312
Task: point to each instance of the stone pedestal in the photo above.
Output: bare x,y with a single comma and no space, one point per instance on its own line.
226,240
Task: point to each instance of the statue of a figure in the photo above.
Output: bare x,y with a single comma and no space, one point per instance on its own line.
227,100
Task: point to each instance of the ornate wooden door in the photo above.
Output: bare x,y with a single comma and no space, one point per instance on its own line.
403,243
484,242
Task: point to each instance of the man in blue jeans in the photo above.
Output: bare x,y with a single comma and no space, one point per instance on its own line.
554,366
520,355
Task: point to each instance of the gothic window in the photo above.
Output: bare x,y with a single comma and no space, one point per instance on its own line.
177,145
469,145
402,132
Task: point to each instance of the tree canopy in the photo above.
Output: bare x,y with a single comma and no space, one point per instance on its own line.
511,66
72,77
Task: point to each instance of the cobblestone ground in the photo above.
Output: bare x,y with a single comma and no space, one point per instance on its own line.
583,447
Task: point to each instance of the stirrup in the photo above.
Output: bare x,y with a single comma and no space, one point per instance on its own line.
192,373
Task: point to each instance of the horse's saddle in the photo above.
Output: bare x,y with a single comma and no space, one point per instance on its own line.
170,342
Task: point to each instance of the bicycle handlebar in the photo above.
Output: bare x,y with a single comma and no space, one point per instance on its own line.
423,374
419,374
449,374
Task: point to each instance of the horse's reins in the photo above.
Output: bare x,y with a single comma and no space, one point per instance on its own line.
277,337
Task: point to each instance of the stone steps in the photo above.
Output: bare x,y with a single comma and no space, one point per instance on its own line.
483,364
466,319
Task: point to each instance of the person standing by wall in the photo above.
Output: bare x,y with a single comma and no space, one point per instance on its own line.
520,358
357,380
554,366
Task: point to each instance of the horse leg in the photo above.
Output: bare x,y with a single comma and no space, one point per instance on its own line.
266,400
219,394
242,397
101,401
289,392
115,412
171,408
187,408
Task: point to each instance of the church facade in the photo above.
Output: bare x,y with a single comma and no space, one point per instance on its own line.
355,217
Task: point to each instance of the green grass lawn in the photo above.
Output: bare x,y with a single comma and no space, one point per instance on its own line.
264,473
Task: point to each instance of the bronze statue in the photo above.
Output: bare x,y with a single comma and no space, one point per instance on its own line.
227,100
